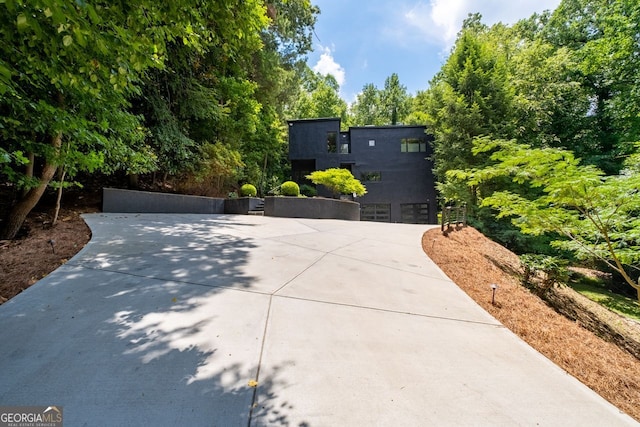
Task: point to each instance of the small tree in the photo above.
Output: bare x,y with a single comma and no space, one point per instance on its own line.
597,215
338,181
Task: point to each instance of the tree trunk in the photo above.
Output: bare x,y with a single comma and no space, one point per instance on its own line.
20,211
61,174
29,170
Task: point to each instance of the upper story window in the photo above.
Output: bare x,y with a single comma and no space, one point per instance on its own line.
345,148
332,142
372,143
370,176
413,145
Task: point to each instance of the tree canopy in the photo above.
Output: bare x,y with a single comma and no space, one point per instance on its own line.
338,181
536,128
143,86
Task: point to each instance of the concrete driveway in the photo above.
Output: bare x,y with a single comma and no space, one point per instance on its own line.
173,319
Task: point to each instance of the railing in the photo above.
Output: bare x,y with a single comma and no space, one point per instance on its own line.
454,215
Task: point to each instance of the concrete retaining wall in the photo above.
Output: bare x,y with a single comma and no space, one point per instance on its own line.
241,205
311,207
129,201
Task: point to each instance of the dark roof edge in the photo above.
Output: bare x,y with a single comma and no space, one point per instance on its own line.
387,126
322,119
333,119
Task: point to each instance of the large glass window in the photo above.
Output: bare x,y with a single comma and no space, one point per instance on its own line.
345,144
413,145
332,142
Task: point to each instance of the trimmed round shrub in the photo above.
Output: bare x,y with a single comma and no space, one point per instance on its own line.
308,190
290,188
248,190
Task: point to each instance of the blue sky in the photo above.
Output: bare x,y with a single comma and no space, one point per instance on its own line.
362,42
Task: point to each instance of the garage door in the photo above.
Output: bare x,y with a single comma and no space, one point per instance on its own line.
375,212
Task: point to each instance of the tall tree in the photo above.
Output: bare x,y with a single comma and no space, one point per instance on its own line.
602,37
557,80
68,111
394,100
319,97
204,94
367,108
469,97
278,69
198,72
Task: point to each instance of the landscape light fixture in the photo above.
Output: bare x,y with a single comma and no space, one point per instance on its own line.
493,293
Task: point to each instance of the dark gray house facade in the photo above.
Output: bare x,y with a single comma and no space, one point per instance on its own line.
391,161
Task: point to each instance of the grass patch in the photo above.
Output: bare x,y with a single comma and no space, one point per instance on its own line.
595,290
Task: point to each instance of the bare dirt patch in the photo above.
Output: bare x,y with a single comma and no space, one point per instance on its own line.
474,262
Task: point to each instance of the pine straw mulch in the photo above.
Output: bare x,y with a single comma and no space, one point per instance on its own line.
41,248
474,262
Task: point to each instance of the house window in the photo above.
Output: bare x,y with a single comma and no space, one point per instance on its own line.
345,148
371,176
413,145
332,142
372,143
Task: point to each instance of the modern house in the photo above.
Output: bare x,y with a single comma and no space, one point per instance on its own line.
393,162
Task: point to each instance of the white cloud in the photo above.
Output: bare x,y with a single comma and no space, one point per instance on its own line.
439,21
327,65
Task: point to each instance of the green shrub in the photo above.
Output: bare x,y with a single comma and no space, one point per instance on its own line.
248,190
542,272
290,188
308,190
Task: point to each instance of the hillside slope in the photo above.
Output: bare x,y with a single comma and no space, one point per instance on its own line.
474,262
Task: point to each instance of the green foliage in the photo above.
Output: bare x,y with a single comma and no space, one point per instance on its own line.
602,37
394,100
367,109
562,80
542,272
248,190
470,97
308,190
389,106
145,86
319,96
338,181
290,188
553,193
218,167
